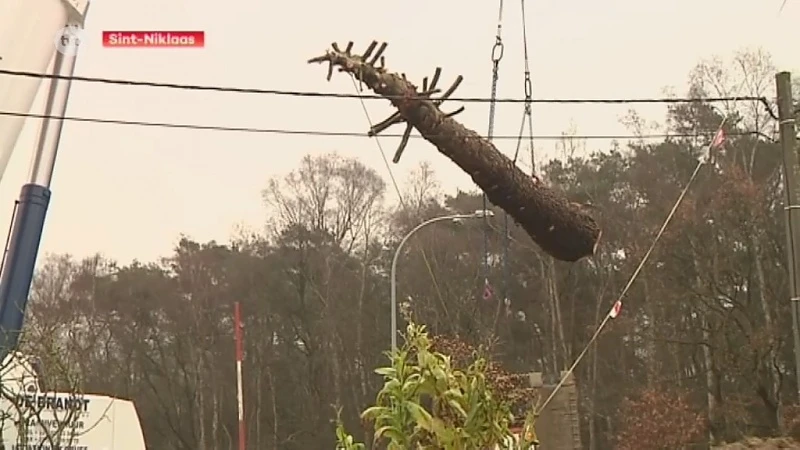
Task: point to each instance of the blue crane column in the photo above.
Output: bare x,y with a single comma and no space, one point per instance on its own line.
34,199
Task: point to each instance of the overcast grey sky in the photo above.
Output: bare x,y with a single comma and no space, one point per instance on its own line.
128,192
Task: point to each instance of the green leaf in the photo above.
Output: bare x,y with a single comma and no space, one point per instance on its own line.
410,387
422,417
390,432
439,376
473,409
393,387
373,412
386,371
457,406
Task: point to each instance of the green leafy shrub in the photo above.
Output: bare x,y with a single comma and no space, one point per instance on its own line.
428,404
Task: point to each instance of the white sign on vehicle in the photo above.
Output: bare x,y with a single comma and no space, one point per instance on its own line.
32,419
61,421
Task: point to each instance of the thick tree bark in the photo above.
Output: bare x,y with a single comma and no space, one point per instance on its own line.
560,228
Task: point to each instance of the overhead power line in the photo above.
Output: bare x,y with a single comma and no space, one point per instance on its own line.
288,93
283,131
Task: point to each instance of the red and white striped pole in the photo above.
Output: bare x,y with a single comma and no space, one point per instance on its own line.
237,323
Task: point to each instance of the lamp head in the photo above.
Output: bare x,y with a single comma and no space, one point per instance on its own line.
481,213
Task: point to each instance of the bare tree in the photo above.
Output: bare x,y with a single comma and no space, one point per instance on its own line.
327,194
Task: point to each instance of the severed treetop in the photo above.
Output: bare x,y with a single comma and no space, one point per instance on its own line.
562,229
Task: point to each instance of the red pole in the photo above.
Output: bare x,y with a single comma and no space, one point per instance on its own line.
237,324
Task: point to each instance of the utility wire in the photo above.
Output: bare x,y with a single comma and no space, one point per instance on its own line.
380,148
320,133
289,93
400,197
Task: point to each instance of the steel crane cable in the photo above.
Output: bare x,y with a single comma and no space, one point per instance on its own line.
527,116
615,308
497,55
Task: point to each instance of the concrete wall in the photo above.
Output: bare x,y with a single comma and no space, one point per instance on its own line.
558,427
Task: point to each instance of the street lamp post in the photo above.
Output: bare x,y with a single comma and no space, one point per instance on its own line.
479,214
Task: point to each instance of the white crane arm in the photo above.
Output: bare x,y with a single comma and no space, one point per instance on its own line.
29,30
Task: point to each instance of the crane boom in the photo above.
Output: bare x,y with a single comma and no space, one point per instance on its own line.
29,31
32,32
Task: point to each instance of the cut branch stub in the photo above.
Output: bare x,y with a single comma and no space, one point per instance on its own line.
427,91
561,229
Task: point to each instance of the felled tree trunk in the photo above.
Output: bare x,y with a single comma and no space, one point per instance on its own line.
560,228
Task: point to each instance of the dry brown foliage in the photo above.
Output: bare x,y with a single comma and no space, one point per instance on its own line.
791,420
761,444
513,388
659,420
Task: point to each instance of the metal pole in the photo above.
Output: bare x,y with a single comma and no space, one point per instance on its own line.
476,215
791,181
237,323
